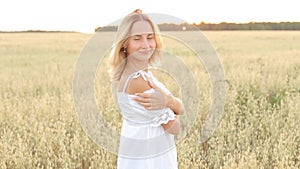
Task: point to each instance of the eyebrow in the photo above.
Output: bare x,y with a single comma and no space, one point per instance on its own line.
148,34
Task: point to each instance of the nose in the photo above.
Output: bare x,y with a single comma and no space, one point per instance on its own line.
145,44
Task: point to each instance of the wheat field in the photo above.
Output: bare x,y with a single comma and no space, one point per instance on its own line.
259,129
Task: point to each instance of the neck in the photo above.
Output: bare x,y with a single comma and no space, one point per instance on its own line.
136,66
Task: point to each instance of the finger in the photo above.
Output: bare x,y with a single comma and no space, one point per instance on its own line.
144,95
156,106
146,105
142,100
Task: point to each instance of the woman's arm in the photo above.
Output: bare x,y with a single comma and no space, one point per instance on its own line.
175,104
159,99
173,126
139,85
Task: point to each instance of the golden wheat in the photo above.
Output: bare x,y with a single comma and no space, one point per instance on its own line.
260,128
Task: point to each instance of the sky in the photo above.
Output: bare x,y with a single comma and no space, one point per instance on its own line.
85,15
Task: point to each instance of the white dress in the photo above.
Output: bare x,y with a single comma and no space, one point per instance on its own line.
144,144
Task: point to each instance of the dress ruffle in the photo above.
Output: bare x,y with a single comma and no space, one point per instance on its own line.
163,118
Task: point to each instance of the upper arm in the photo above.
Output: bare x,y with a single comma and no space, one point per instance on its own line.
137,85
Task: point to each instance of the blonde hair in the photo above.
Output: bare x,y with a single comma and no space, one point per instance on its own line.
117,59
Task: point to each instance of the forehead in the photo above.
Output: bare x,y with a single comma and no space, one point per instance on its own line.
141,27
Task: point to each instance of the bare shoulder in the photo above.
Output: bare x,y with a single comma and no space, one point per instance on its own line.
137,85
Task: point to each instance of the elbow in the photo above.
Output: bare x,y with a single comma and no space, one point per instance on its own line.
182,111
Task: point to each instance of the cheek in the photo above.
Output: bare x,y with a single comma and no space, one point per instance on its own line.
153,44
131,48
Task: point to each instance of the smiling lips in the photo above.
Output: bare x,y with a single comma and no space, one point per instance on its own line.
146,52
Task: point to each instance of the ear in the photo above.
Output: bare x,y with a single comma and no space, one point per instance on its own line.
124,49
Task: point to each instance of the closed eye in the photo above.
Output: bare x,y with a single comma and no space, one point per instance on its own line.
150,36
136,37
139,37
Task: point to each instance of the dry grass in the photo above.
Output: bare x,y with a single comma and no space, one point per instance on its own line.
260,128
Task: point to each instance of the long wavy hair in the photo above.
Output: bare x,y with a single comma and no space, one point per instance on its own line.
118,58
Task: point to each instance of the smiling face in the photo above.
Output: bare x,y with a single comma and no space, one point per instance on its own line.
141,43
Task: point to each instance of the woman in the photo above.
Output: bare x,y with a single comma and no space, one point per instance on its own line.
149,110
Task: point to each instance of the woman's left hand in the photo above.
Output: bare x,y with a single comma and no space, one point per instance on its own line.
152,101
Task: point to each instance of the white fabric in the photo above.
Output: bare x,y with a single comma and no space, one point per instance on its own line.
144,144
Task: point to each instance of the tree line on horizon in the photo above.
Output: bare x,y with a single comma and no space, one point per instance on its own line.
218,26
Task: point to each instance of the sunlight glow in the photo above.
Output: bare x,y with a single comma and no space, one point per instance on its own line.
85,16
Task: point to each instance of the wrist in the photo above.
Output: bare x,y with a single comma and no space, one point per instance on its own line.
170,100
